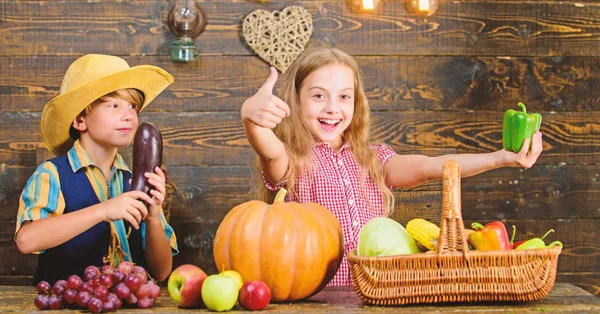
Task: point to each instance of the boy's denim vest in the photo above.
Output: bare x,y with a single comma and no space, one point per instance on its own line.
89,247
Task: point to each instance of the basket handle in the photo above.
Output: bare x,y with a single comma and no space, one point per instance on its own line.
451,226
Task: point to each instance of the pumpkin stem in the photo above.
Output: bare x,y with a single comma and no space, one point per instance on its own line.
280,197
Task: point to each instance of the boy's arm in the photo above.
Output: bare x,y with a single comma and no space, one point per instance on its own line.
158,249
49,232
46,233
408,170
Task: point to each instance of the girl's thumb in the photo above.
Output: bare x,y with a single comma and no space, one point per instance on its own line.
271,80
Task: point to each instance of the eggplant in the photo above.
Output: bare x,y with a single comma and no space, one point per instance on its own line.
147,155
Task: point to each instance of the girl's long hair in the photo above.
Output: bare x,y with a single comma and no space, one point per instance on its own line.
298,139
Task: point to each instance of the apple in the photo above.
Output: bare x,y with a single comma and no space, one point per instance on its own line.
235,275
254,295
185,285
220,292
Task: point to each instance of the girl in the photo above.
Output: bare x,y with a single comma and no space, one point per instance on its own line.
315,142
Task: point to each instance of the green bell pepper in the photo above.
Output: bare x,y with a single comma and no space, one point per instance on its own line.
538,243
517,126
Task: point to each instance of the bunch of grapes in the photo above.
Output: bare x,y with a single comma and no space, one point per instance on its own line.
102,290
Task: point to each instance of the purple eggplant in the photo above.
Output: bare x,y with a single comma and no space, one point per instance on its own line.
147,155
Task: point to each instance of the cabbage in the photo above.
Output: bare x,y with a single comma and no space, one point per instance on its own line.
383,236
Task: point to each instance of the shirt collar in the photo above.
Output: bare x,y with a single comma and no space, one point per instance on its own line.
326,146
78,158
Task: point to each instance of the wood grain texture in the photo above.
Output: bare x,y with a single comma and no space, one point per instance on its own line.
564,298
195,239
217,138
436,85
533,28
459,83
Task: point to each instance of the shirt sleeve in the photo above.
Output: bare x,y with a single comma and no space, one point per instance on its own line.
169,232
41,197
270,186
383,152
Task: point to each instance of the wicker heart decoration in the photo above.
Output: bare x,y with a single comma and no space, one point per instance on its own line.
278,37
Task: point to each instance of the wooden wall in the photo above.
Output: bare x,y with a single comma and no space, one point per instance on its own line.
436,85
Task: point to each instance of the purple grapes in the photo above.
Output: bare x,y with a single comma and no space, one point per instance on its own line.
43,287
103,289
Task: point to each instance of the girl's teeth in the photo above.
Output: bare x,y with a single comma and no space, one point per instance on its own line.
330,121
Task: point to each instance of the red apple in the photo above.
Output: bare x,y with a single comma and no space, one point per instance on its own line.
185,286
254,295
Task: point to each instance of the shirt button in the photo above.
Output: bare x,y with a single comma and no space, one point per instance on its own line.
340,162
355,223
347,182
351,202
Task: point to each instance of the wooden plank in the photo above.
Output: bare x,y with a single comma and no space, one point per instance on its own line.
217,138
222,83
564,298
590,282
497,27
195,238
207,193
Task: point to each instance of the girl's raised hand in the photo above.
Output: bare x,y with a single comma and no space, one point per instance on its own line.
263,108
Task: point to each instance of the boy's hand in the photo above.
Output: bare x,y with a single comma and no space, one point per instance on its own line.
157,180
265,109
128,206
525,158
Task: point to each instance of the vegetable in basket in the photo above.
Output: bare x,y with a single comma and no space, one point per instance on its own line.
383,236
537,243
491,237
517,126
427,234
424,232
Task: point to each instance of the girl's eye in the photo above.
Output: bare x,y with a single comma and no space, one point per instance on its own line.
346,97
132,106
114,106
319,96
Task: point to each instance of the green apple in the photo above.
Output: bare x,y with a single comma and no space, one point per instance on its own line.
220,292
235,275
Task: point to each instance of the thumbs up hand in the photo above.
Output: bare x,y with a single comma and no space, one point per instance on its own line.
263,108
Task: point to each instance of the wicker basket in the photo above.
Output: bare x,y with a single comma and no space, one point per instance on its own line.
454,274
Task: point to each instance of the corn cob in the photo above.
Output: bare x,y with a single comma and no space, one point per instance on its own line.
424,232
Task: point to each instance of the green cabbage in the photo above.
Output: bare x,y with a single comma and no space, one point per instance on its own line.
383,236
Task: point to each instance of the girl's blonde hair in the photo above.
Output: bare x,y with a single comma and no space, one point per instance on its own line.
298,139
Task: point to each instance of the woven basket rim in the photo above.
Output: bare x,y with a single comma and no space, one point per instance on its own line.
555,250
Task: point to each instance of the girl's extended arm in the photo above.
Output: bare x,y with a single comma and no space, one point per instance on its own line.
404,171
260,113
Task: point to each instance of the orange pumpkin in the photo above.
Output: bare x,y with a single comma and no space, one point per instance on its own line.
295,248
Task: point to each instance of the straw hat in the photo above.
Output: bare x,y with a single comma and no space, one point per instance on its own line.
87,79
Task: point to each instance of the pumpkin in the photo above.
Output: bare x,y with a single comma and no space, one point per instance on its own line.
294,248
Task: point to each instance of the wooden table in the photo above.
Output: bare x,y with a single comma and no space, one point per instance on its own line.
563,298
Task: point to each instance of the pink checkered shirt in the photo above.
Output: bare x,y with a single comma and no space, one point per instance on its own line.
335,185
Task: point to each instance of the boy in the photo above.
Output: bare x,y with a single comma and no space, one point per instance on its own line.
76,204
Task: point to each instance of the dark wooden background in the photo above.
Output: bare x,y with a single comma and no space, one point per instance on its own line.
436,85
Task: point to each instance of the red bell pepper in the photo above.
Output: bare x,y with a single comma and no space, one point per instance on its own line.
491,237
